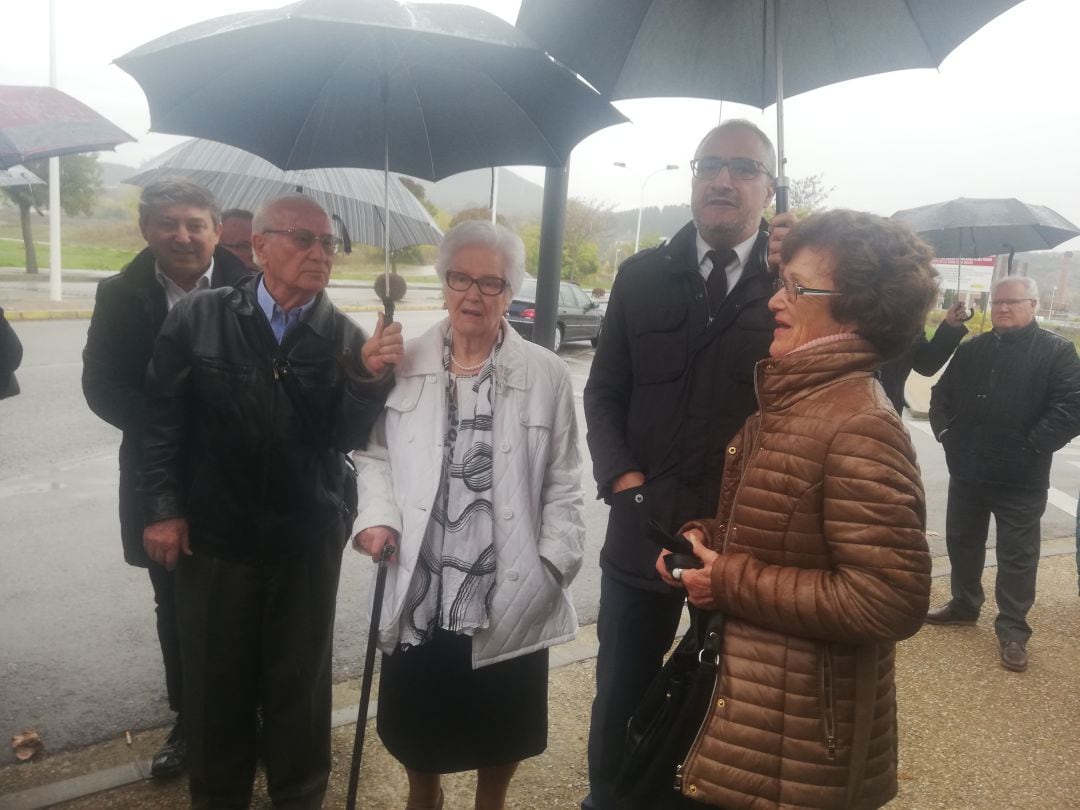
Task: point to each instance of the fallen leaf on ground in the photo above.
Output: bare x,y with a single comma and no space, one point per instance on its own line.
27,745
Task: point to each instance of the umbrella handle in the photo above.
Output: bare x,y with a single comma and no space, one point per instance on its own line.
388,310
781,198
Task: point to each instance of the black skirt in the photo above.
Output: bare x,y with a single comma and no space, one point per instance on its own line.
439,715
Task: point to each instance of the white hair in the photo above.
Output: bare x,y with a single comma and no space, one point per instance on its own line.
1031,289
490,235
266,215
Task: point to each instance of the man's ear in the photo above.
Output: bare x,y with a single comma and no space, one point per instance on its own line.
258,244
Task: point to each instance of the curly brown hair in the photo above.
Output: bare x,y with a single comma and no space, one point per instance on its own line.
881,268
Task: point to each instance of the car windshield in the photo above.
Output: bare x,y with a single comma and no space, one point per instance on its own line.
527,291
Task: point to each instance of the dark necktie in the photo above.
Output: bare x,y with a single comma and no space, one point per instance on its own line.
716,283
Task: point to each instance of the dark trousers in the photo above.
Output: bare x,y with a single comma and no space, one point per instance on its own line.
1018,513
168,636
250,634
636,629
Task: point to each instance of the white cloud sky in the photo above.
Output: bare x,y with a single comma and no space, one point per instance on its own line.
1001,118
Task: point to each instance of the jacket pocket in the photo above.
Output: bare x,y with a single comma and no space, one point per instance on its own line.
223,385
660,344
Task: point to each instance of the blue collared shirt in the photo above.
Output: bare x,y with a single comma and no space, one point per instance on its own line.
281,322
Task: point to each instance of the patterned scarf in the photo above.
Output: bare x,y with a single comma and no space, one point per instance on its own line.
455,574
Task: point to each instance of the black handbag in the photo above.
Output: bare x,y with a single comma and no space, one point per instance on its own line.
667,720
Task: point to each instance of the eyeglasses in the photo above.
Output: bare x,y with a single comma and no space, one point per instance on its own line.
488,285
1010,302
793,290
237,245
740,168
305,239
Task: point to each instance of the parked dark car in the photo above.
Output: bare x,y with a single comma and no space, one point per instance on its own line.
579,317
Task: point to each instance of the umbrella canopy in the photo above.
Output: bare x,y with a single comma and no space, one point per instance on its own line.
972,227
239,179
430,90
747,51
19,176
42,122
726,50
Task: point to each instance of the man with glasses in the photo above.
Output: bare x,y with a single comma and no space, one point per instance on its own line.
254,396
236,235
181,223
1006,402
671,383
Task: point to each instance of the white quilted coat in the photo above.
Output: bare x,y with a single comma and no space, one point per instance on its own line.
537,493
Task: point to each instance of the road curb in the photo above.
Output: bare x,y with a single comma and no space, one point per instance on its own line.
48,314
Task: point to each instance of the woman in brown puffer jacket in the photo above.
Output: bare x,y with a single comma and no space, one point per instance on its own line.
817,557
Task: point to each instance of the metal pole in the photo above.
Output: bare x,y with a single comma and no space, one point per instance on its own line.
640,209
55,282
494,192
388,299
1053,295
549,271
641,196
781,184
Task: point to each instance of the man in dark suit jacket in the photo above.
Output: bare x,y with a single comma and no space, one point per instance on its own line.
671,383
181,223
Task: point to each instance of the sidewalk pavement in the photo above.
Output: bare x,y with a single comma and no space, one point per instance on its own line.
26,298
973,736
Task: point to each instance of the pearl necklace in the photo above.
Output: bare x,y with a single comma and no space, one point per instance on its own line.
464,367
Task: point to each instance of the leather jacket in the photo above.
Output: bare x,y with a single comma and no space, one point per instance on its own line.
255,465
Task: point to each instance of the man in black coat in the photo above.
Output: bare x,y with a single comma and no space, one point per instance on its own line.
1007,401
254,396
181,224
672,381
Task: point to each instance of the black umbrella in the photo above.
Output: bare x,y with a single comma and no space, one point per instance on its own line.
973,227
43,122
736,51
423,90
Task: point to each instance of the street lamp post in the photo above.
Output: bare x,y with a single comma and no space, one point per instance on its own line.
1053,295
641,198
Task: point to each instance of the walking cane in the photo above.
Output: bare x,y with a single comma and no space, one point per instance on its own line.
369,672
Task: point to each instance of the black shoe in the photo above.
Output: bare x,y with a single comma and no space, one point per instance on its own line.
171,758
948,615
1014,656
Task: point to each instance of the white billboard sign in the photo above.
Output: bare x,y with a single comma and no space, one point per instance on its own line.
967,275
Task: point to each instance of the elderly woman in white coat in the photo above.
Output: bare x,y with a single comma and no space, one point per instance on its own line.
473,473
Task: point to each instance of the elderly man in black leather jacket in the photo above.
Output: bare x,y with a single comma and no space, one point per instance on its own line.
255,395
1005,404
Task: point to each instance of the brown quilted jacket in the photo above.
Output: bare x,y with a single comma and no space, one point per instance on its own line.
823,567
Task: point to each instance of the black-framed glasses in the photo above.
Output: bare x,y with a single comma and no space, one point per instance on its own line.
706,168
1010,302
488,285
305,239
793,289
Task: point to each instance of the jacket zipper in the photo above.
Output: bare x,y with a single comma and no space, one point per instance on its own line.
828,707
